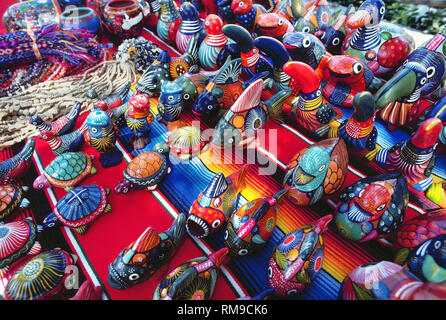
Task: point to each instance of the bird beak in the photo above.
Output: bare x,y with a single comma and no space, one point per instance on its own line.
304,76
400,85
359,19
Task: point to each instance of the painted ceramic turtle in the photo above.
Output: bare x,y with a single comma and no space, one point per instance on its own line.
146,170
79,207
40,277
186,142
66,171
11,197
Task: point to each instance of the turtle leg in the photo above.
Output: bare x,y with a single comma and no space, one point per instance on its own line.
93,170
152,188
81,229
24,203
108,208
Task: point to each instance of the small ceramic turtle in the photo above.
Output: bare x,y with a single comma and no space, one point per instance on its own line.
11,198
66,171
79,207
146,170
186,142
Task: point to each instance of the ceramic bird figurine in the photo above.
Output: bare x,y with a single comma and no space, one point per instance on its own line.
193,280
373,207
153,77
309,108
420,75
69,142
246,13
215,203
382,49
224,11
315,171
101,136
189,26
248,114
145,256
274,24
414,158
297,258
345,77
317,18
15,167
170,104
168,21
139,118
252,225
60,126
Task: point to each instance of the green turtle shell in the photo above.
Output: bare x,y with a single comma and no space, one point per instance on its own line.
10,197
146,169
16,239
67,166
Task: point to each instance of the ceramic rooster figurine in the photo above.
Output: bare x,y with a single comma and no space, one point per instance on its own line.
252,225
246,13
139,118
169,21
141,259
60,126
382,50
189,26
309,108
414,158
72,141
15,167
193,280
215,203
420,75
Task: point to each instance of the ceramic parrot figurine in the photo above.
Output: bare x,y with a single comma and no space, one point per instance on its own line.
316,19
139,118
193,280
142,258
215,203
72,141
169,21
315,171
189,26
152,78
12,169
297,258
420,75
246,13
274,24
309,108
383,50
414,158
60,126
252,225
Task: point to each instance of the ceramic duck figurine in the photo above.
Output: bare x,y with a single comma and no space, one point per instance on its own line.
317,18
420,76
139,118
247,114
297,258
142,258
60,126
72,141
215,203
193,280
315,171
15,167
347,76
310,109
152,78
168,21
274,24
246,13
190,25
252,225
381,50
373,207
414,158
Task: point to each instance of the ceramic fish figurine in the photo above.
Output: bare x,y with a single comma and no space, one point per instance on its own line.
248,114
139,118
169,21
347,76
381,49
420,75
414,158
315,171
12,198
142,258
15,167
60,126
69,142
297,258
153,77
215,203
317,18
190,25
193,280
170,103
246,13
252,225
309,108
274,24
373,207
101,136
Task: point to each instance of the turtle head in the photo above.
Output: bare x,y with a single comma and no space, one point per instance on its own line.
123,187
36,120
51,221
41,182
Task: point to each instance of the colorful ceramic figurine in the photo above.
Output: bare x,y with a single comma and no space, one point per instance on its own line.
101,136
190,25
246,13
333,37
274,24
139,118
142,258
168,21
215,203
11,198
373,207
66,171
382,50
15,167
297,258
170,103
420,75
146,170
60,126
69,142
310,109
347,76
316,170
246,116
224,10
186,142
252,225
317,18
438,110
79,207
193,280
414,158
153,77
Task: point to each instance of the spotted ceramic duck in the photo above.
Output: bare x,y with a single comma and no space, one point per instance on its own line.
246,13
15,167
60,126
12,198
382,50
190,25
154,76
317,18
139,118
169,21
315,171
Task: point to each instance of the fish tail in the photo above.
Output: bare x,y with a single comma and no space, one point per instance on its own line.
238,177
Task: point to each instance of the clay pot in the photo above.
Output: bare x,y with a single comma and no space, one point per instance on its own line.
123,18
81,18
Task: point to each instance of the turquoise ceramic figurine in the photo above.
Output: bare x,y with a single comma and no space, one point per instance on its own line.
168,21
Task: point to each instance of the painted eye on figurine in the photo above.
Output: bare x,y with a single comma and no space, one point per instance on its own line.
226,235
170,98
270,272
306,43
306,29
323,35
322,168
255,51
207,23
318,93
40,186
437,244
242,252
210,107
423,81
231,140
430,72
241,4
361,193
357,68
44,137
94,130
381,207
134,276
382,10
279,22
336,41
186,96
216,224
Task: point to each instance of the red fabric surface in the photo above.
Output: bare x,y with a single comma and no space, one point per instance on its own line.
3,6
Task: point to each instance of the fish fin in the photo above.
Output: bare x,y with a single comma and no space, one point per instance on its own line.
238,178
230,72
250,98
